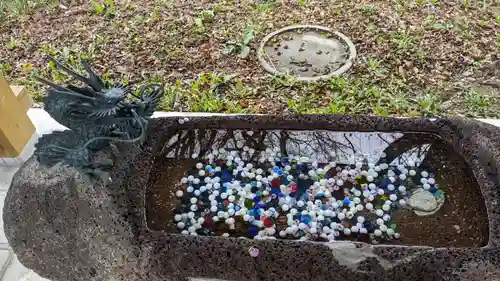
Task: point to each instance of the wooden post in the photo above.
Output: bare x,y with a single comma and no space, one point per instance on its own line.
16,128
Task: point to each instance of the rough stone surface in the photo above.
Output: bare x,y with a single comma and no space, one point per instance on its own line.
67,228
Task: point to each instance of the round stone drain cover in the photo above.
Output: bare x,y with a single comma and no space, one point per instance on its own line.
308,52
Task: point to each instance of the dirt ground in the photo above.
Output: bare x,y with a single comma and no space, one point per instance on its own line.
415,58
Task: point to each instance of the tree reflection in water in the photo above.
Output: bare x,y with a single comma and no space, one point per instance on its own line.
408,149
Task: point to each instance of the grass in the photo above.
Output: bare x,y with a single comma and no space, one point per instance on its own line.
17,8
478,104
415,58
209,93
368,9
106,8
403,40
204,17
240,48
265,7
429,104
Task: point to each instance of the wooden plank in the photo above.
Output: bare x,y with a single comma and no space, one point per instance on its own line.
23,96
15,126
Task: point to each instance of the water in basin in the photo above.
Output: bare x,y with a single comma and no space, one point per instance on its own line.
391,188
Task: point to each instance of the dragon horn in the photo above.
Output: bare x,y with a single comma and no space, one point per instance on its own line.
69,71
61,89
94,80
50,83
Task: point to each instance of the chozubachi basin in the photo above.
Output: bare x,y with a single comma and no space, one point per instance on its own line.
247,197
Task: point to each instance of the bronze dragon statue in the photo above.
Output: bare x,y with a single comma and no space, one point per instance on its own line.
97,115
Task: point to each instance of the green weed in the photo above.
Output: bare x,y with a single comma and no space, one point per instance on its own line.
402,5
302,2
155,15
138,20
26,67
265,7
241,90
240,48
57,75
420,3
282,81
429,104
13,7
403,40
465,4
169,99
298,106
368,9
374,66
209,93
478,105
203,17
442,26
48,49
106,8
421,55
380,110
207,103
355,96
482,22
5,68
12,44
101,39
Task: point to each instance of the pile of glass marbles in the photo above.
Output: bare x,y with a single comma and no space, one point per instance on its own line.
242,194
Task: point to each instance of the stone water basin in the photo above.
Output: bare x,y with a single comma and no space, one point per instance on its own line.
123,227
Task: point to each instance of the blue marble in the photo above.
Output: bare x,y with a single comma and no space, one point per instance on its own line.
278,171
320,195
305,219
275,190
227,176
252,231
347,201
